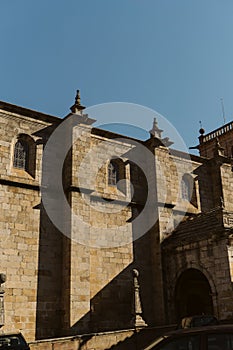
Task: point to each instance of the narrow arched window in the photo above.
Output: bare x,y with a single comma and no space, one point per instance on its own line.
21,155
112,173
186,191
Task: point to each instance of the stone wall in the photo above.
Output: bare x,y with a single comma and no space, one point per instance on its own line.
19,256
20,222
87,342
121,340
227,186
57,283
203,248
77,280
224,135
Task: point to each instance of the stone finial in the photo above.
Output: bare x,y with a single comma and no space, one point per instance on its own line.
218,150
155,131
137,320
77,98
77,107
201,130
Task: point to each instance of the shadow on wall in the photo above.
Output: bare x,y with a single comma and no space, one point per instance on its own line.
110,308
49,287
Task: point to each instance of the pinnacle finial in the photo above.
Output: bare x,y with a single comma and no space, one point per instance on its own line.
137,320
201,131
77,107
155,131
77,98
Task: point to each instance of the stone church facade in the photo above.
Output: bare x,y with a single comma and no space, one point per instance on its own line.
77,278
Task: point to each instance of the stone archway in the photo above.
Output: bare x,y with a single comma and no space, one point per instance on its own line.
192,294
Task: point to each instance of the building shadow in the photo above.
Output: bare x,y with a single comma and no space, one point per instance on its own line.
49,288
111,307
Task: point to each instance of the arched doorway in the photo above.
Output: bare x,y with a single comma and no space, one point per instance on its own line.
192,294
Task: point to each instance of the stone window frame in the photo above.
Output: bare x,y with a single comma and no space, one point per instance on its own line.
116,174
188,191
113,173
186,187
27,160
20,160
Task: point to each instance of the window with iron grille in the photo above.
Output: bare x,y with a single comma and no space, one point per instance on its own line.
20,155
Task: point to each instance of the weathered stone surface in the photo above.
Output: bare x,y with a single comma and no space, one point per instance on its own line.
81,282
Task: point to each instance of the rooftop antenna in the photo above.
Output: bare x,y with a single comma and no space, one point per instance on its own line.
223,111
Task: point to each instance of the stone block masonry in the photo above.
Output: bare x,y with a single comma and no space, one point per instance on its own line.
81,282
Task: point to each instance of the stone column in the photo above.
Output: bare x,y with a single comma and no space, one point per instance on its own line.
2,313
137,320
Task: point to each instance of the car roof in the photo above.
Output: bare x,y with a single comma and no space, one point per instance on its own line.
9,334
201,329
193,331
198,316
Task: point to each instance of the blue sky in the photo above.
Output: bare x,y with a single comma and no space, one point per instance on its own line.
174,56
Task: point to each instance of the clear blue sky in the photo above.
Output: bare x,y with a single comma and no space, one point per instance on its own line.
174,56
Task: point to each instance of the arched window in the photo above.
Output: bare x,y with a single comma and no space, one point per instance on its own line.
112,173
21,155
186,188
24,156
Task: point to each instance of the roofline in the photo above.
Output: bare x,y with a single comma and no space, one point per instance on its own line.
113,135
187,155
216,133
9,107
27,112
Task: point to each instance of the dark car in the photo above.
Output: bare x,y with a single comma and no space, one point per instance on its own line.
198,321
218,337
14,341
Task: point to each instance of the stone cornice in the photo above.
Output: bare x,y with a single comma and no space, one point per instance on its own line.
29,113
19,184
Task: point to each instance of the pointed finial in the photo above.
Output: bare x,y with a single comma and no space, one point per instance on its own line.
77,107
155,131
77,98
201,131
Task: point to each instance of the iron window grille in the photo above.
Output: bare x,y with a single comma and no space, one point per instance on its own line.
112,174
20,155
